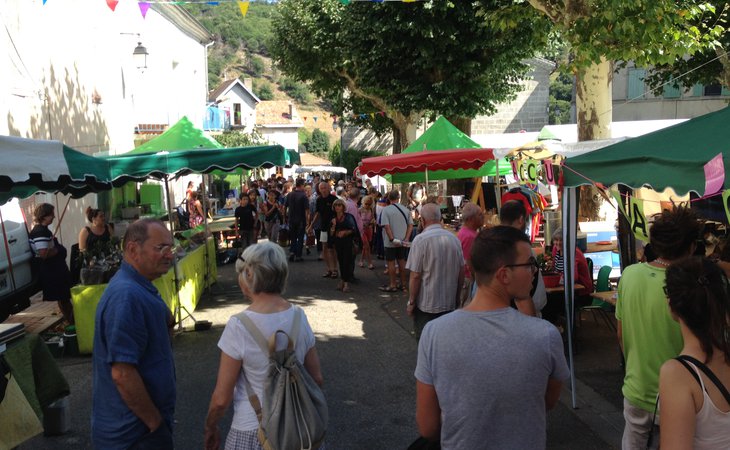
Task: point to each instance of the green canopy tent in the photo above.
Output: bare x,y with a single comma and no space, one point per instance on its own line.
672,157
442,135
31,165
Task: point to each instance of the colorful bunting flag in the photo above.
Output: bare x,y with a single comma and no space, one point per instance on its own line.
547,170
243,6
529,168
143,7
112,4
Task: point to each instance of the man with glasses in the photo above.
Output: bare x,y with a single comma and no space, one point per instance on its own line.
486,374
436,265
514,214
133,367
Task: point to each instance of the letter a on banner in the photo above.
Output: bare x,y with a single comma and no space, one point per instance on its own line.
547,169
639,225
530,167
726,202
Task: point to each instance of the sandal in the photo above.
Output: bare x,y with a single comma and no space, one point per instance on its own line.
371,267
327,274
334,274
345,288
388,289
361,264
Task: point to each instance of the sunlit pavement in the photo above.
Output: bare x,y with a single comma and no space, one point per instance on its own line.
368,357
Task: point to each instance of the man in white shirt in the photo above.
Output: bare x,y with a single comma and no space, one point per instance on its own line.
436,262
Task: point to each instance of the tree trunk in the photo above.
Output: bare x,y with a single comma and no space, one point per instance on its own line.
594,112
404,130
593,101
462,123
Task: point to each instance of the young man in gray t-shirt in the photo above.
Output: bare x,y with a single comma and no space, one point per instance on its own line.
489,371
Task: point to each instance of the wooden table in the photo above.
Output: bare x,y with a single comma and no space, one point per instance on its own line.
606,296
38,317
561,288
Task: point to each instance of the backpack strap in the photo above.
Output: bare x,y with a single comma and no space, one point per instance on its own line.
254,331
709,374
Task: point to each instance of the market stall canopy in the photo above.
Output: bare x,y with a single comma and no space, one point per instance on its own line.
445,161
138,167
31,165
673,157
181,136
442,136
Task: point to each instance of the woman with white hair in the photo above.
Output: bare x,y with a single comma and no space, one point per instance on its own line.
262,274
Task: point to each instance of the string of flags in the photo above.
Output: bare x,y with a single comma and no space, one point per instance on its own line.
144,6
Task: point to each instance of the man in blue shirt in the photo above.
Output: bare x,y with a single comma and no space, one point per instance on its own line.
133,366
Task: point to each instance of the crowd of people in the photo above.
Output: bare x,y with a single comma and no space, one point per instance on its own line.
488,365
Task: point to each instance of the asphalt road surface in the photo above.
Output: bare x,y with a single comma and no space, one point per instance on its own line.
368,357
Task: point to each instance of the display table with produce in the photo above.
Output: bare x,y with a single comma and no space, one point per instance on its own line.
191,272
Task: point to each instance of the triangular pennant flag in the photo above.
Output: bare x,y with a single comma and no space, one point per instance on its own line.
214,3
345,2
372,116
112,4
305,118
244,7
408,1
44,1
143,7
315,119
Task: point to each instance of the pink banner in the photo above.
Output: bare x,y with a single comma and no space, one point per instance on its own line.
714,175
143,7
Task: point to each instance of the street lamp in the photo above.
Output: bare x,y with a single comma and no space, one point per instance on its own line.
140,56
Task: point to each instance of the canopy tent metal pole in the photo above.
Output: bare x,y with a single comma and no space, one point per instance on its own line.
497,188
570,216
206,179
175,277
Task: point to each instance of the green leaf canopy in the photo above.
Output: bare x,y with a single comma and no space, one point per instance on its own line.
442,135
672,157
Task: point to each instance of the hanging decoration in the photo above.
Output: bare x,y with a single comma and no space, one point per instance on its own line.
244,7
143,7
725,198
112,4
714,175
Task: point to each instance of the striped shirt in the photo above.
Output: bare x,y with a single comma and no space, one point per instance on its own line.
437,256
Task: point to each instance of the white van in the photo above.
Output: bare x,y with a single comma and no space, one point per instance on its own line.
17,283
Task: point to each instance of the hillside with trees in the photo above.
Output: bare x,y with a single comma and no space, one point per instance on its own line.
241,50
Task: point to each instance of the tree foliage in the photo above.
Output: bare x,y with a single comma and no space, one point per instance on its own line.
296,90
240,139
710,66
447,57
262,89
561,94
350,157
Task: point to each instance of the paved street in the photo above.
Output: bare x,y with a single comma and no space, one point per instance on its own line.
368,356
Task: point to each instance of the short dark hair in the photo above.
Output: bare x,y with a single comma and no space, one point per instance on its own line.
493,248
299,182
512,210
699,294
393,195
42,211
674,231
